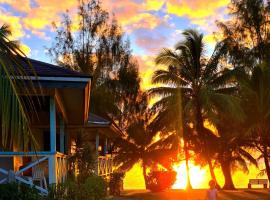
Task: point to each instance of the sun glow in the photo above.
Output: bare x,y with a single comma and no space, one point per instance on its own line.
198,176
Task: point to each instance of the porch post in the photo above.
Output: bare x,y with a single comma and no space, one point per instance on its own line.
97,161
52,158
97,143
105,146
62,136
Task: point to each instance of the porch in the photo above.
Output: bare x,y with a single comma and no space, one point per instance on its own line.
35,173
38,173
42,163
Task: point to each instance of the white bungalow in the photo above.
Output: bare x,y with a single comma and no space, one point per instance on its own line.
62,110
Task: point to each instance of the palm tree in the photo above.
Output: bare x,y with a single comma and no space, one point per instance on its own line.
14,118
255,92
199,83
142,145
232,148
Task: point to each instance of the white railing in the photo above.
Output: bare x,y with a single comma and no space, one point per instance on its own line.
39,165
61,167
105,165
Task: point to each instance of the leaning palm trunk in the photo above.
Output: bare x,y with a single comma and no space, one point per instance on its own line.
212,172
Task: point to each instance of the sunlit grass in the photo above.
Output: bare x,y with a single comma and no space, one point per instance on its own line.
195,195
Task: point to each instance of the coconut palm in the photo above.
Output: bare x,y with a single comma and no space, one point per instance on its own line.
255,92
232,148
197,84
14,118
142,145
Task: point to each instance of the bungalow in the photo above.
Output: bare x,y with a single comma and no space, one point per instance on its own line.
62,110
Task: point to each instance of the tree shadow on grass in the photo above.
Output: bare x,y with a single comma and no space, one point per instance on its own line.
262,194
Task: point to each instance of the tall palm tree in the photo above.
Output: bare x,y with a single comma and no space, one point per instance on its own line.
255,92
232,147
200,83
13,115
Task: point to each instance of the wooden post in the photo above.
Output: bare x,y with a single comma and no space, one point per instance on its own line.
52,158
97,145
62,136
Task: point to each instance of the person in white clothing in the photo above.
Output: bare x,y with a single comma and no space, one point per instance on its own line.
212,193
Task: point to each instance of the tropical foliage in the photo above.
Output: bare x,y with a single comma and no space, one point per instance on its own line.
143,145
14,116
228,89
203,86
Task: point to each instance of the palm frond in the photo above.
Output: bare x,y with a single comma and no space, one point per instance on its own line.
14,119
246,155
168,57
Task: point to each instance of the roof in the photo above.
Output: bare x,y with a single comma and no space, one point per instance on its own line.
97,120
43,69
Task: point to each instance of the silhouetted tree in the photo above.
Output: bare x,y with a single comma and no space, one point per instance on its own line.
95,44
255,94
247,32
195,83
142,145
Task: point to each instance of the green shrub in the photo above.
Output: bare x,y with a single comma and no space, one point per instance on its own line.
95,188
66,191
14,191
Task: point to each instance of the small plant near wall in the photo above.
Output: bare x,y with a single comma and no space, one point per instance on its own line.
93,188
15,191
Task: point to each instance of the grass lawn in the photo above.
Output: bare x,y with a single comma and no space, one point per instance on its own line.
245,194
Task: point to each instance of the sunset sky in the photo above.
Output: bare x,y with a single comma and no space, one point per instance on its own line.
149,24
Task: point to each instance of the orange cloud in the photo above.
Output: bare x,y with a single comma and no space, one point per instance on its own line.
133,15
143,20
195,8
46,12
38,16
14,22
154,4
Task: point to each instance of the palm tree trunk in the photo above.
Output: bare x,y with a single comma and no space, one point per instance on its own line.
199,118
212,172
145,175
226,169
266,162
188,186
